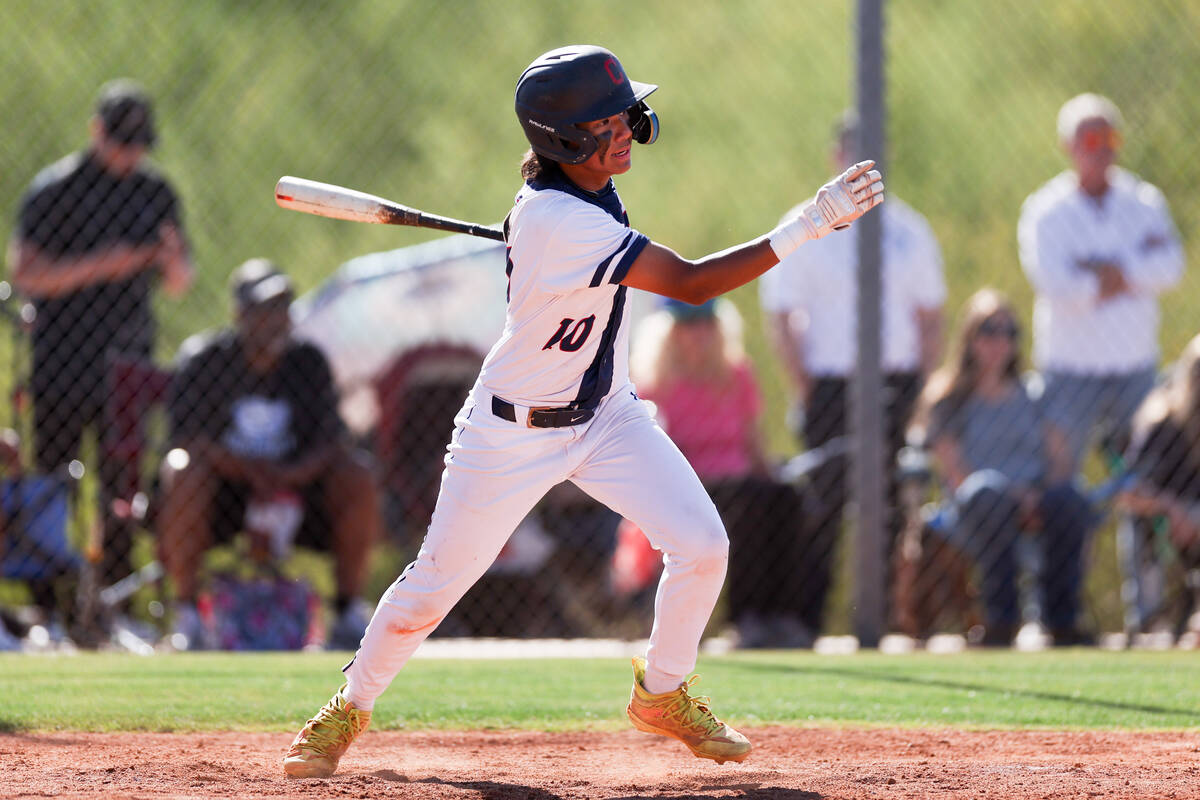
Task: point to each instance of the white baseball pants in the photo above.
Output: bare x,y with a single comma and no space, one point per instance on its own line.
496,471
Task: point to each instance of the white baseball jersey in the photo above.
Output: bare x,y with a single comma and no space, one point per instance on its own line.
565,344
566,334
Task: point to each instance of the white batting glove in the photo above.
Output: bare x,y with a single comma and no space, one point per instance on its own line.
838,203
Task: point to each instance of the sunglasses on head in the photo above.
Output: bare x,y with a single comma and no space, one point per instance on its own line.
1103,138
993,327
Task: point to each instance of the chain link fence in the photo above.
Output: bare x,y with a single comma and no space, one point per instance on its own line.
226,422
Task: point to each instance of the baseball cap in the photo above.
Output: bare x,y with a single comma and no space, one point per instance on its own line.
257,282
686,312
126,112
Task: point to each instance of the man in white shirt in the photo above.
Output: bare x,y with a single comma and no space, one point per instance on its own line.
810,301
1099,246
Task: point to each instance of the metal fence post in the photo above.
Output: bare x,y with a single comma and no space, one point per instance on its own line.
867,403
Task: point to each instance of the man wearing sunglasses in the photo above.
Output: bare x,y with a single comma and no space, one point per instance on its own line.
1098,245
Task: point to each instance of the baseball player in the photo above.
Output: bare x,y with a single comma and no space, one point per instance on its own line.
553,402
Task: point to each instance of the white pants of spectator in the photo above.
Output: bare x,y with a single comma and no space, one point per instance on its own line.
496,471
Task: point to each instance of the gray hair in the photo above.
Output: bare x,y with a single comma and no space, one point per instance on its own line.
1084,107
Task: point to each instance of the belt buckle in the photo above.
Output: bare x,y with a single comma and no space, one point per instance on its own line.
529,416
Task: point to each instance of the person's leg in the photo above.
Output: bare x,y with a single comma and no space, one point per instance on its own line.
824,426
902,390
352,509
1143,582
342,516
199,509
1067,515
987,530
185,520
631,466
739,511
57,430
1073,404
496,471
1122,396
780,515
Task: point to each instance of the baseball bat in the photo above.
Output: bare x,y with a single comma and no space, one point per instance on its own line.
338,202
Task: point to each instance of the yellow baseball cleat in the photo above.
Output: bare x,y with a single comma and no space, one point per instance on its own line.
324,738
688,719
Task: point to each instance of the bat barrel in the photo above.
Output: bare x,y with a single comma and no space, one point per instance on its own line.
338,202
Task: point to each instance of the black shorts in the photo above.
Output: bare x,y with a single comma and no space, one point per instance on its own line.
316,529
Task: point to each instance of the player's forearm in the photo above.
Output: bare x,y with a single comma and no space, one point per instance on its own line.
716,274
660,270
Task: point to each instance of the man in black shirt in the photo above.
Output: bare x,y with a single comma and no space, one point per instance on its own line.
255,422
93,233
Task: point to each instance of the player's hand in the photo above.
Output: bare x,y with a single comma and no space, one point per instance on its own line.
844,199
838,203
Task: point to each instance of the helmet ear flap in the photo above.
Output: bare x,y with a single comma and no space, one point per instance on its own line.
577,147
643,123
568,144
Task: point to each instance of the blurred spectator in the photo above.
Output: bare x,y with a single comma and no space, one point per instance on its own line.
256,431
1099,246
33,537
34,550
1164,458
1006,465
810,302
688,360
93,233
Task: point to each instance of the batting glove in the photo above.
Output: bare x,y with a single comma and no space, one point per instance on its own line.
838,203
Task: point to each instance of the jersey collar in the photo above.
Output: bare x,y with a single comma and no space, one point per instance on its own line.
606,198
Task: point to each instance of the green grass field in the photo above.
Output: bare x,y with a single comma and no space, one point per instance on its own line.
1065,689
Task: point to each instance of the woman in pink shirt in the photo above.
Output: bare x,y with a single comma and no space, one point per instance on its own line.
689,361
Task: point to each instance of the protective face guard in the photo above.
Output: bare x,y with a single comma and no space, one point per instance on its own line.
644,123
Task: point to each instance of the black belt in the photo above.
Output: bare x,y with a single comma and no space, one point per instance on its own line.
549,417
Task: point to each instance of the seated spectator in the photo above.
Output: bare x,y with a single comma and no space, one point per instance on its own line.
689,361
1164,459
1008,470
255,422
34,546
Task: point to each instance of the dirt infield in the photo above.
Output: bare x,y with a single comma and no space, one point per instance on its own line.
787,763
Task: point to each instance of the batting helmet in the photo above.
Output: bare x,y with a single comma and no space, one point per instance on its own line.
574,84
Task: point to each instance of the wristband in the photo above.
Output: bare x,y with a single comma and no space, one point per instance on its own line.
786,238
